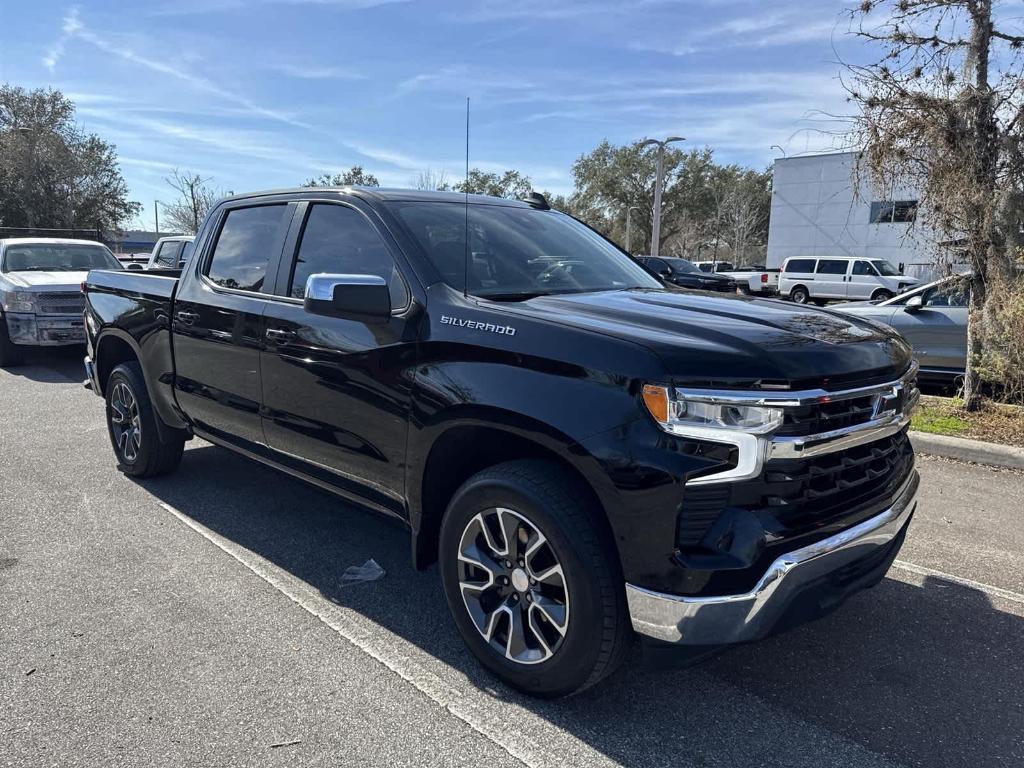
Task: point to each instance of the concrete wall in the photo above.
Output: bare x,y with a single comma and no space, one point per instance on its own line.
816,213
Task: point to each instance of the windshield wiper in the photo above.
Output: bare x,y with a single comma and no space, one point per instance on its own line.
523,296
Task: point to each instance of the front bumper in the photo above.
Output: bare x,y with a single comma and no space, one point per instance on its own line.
718,620
45,330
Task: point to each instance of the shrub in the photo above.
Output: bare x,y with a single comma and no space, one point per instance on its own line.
1001,365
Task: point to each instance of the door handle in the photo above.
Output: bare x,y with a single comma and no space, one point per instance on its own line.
186,317
279,335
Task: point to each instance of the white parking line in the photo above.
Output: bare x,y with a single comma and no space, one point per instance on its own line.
988,589
525,736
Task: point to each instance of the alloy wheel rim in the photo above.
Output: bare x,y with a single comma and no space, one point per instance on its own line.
513,586
125,422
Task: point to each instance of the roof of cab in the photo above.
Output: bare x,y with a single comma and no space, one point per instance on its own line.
388,194
47,241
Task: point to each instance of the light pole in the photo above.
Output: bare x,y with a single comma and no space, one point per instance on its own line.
628,229
659,180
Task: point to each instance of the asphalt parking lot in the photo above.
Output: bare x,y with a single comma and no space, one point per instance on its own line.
201,619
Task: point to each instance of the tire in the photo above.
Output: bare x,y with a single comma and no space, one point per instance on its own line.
586,598
131,423
799,295
11,354
882,295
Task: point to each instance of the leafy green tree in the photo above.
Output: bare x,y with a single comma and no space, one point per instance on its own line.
510,184
353,177
611,179
51,173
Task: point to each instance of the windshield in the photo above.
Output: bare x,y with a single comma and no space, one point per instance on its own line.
682,265
55,257
885,268
517,253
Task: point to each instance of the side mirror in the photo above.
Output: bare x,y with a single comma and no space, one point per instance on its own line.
914,304
359,297
666,272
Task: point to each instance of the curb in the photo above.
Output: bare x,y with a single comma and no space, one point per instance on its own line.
962,449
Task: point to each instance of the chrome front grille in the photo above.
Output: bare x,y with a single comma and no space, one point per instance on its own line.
61,303
813,418
814,423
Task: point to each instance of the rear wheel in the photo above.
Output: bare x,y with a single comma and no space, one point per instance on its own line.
10,353
800,295
532,581
131,422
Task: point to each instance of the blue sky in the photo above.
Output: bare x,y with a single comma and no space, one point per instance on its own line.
266,93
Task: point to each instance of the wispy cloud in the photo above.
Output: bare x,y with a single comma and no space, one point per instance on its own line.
194,7
463,80
74,29
776,27
546,10
55,52
313,72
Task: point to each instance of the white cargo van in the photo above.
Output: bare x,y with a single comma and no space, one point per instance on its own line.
841,277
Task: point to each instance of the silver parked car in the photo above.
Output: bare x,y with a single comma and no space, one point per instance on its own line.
933,318
41,300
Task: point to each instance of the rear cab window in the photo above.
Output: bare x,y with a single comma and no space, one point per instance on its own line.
246,243
168,254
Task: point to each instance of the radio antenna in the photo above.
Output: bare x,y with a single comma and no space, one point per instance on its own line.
465,276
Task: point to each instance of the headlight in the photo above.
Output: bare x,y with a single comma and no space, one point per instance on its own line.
19,301
677,413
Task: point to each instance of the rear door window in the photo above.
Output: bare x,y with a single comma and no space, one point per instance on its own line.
248,240
832,267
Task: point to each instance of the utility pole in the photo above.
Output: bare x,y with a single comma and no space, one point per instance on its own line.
628,229
156,215
658,182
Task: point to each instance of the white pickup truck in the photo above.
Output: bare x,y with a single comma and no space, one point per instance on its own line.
750,280
41,299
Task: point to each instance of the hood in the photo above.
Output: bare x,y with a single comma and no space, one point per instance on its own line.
708,340
45,281
705,277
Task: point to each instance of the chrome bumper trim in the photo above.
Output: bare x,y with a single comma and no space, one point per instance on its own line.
726,619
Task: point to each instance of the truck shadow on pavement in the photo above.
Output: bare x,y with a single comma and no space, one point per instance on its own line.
922,675
59,365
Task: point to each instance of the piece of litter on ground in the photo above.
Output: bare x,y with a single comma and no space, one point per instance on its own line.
286,744
29,671
368,571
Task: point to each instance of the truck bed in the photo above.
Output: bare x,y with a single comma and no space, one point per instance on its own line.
153,283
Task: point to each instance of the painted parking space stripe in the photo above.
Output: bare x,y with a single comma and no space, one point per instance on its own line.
988,589
527,737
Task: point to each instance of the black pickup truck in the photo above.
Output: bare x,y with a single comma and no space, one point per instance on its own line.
587,453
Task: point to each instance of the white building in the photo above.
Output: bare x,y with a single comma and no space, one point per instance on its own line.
815,212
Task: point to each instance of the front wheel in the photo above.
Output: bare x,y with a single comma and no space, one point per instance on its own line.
882,295
131,422
532,580
800,295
